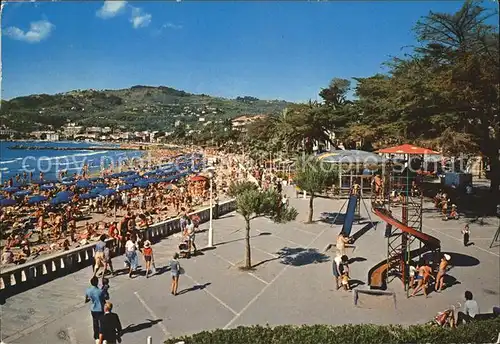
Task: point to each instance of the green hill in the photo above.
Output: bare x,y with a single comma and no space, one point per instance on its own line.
135,108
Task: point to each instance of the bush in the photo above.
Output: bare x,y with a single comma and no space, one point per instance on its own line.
479,332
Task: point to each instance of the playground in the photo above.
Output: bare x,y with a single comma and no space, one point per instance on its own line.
292,282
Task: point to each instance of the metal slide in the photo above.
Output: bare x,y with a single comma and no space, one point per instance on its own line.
376,274
349,215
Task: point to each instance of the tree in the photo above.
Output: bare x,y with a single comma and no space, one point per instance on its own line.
303,124
446,88
251,203
314,177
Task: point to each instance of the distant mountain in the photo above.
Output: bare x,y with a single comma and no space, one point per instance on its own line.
135,108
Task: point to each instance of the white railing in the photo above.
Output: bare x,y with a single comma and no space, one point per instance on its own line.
31,274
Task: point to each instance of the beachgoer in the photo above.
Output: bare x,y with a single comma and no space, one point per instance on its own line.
191,236
105,289
99,254
424,276
131,248
466,235
442,273
470,310
175,269
338,267
147,251
94,294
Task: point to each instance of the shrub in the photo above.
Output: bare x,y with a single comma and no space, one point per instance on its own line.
478,332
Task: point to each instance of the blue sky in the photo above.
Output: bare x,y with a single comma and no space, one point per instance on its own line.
271,50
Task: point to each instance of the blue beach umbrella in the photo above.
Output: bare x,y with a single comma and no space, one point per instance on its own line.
96,191
22,193
125,187
107,192
57,200
38,182
141,184
88,196
64,195
11,189
37,199
100,185
83,184
47,187
7,202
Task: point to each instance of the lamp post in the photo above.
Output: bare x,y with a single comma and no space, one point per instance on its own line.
210,171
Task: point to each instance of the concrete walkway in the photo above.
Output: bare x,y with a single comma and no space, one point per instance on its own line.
291,284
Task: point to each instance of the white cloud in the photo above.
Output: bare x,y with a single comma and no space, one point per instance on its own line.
111,8
140,18
38,31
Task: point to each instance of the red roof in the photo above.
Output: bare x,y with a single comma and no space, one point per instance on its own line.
407,149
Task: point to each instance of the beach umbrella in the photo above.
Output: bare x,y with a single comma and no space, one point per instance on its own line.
115,175
64,195
57,200
100,185
50,181
38,182
83,184
125,187
68,179
171,187
11,189
7,202
131,179
37,199
88,196
96,179
22,193
141,184
47,187
107,192
198,178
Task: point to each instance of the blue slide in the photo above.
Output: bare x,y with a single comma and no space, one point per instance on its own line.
349,215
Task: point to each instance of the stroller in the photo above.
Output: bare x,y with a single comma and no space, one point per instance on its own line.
184,251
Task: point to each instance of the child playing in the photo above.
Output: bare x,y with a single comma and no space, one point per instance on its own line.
466,235
345,278
105,288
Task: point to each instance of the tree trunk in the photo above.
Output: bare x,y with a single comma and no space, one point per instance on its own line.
248,257
495,178
311,209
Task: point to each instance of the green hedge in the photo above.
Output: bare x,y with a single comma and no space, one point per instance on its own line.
480,332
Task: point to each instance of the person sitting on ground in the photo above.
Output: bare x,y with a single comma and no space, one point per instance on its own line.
470,310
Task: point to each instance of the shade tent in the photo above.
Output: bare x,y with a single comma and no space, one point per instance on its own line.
356,157
408,149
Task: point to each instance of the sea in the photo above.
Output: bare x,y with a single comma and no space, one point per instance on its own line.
51,162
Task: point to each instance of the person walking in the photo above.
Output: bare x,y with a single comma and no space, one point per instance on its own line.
110,326
147,251
99,255
443,265
131,248
425,271
191,236
94,294
466,235
175,270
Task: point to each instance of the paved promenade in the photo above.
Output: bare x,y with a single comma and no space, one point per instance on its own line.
291,284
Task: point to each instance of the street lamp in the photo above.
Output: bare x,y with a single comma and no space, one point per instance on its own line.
210,171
